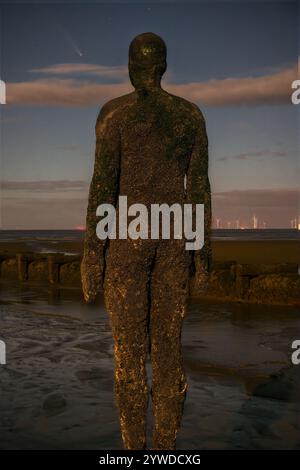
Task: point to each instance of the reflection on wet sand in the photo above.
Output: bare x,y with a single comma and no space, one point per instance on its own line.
56,389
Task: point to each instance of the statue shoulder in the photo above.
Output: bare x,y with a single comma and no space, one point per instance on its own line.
198,114
187,107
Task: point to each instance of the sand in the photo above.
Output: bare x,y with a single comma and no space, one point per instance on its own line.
257,251
242,251
57,386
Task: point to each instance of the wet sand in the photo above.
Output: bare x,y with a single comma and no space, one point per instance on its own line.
57,386
242,251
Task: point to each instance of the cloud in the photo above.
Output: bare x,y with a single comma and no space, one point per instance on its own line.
7,120
114,71
264,90
242,125
269,89
259,153
68,147
44,186
59,204
275,207
62,204
63,92
258,198
36,213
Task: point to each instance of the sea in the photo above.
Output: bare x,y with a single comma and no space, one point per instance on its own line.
217,234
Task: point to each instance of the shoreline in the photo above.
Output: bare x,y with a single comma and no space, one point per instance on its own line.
241,251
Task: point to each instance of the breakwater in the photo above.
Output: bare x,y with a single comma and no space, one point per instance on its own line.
233,280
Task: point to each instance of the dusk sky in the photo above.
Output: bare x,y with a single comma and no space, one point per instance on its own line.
61,62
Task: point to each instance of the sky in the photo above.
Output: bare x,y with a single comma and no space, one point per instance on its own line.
62,61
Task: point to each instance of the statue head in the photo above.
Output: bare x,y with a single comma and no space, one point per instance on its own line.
147,60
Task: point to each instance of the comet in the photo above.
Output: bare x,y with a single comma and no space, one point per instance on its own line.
69,39
72,43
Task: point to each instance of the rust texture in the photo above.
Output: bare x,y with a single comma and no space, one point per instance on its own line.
147,144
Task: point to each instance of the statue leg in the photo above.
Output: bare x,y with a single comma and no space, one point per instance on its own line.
126,299
169,290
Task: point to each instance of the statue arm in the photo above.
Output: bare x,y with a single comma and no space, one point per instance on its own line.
199,192
103,189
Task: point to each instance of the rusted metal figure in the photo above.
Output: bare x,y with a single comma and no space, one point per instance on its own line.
152,147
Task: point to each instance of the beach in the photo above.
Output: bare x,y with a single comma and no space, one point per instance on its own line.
57,386
248,266
242,246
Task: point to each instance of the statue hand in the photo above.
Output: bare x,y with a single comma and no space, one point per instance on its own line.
91,277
